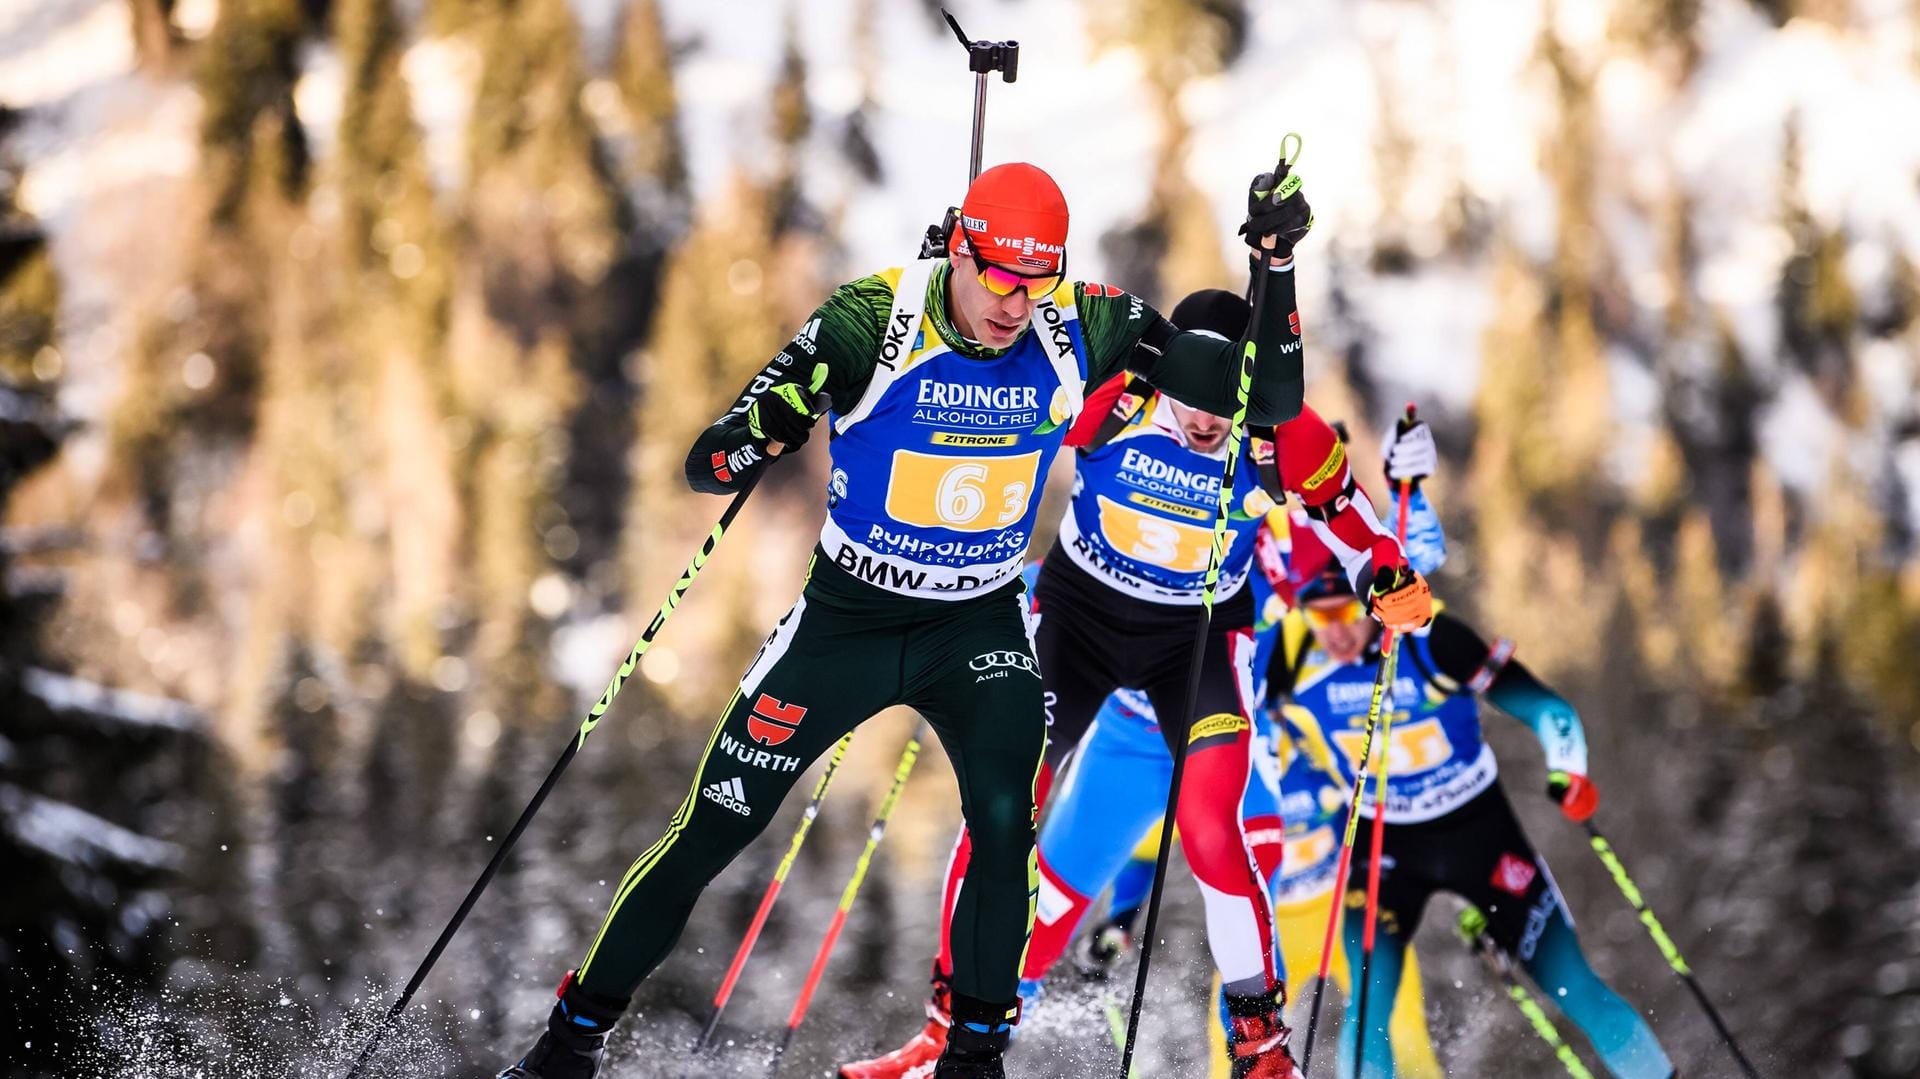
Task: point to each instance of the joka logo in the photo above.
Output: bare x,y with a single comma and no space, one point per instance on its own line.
772,722
990,661
1056,329
1513,874
892,349
730,793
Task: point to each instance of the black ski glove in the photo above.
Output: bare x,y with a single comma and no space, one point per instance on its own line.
787,411
1275,206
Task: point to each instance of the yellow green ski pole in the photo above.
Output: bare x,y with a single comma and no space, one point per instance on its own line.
1665,943
759,922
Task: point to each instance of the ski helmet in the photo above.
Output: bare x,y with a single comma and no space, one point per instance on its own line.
1015,216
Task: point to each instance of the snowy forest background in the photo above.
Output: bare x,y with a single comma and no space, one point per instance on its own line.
349,349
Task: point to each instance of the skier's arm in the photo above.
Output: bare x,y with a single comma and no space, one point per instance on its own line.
1314,468
832,353
1197,368
1462,658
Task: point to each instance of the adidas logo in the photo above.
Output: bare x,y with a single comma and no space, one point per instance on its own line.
730,793
808,337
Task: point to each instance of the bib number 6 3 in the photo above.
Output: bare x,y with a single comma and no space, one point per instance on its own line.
966,494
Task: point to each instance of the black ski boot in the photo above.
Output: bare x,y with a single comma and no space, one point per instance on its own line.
576,1036
978,1039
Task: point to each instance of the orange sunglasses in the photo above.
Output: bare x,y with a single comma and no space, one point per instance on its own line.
1001,281
1320,617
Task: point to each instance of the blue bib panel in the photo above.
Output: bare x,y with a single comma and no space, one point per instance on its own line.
1439,761
936,483
1143,510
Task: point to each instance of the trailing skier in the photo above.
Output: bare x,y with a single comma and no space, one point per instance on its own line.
1448,825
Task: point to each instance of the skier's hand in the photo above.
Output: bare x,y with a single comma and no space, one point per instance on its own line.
1577,795
1409,453
788,410
1278,216
1399,599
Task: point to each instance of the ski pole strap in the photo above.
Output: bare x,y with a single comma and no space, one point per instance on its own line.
1627,888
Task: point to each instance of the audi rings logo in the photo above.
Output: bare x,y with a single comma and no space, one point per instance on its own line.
997,664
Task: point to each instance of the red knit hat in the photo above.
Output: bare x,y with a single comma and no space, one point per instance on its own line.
1016,217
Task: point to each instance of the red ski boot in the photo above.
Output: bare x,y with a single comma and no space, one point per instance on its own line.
914,1060
1257,1041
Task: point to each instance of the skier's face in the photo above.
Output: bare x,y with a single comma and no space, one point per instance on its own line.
994,321
1340,625
1205,431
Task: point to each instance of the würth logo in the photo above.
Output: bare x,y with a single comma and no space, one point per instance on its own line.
730,793
773,722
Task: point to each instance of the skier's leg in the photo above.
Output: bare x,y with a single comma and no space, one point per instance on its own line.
976,681
1384,974
1622,1038
797,698
789,707
1260,806
1412,1043
1135,879
1405,886
974,677
1073,696
1106,797
1499,871
1212,835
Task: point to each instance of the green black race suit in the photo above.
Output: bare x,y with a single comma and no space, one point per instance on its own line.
914,597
